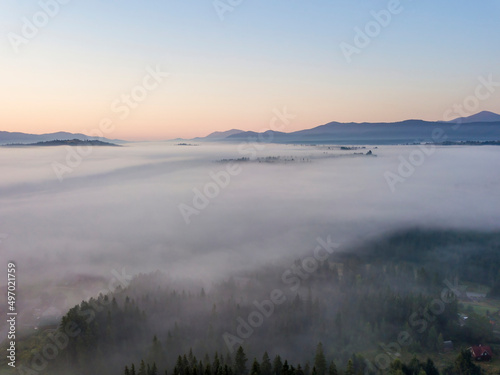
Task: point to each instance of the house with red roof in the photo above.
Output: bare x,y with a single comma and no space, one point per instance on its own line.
481,352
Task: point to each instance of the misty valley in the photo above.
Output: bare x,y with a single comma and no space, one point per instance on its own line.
232,187
303,260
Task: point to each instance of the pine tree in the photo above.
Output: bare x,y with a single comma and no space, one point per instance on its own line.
240,362
350,368
179,367
440,342
277,365
432,339
429,368
307,369
319,360
114,306
413,366
396,368
208,367
255,368
463,365
286,369
332,369
191,358
142,368
216,367
266,367
156,351
229,361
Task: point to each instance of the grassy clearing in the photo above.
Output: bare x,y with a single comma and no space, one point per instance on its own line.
482,306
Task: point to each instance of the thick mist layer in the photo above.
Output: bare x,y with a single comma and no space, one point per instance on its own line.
118,210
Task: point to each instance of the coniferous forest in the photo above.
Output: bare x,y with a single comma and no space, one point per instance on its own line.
231,187
361,310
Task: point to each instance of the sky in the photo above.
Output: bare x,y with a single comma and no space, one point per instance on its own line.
165,69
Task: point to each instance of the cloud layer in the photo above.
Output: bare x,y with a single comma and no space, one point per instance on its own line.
119,207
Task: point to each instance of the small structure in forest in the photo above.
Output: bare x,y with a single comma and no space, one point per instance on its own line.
481,352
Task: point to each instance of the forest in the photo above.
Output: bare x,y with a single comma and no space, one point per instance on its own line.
189,365
361,310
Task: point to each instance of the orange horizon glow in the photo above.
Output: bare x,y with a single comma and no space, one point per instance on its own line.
191,81
144,130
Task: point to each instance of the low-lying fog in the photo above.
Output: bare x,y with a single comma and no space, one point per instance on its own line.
119,208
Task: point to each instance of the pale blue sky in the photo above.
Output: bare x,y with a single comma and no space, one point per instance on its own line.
265,54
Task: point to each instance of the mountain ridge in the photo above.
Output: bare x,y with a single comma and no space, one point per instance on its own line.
482,126
400,132
26,138
406,132
483,116
223,134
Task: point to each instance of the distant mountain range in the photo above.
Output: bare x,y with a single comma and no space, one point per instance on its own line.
484,116
57,142
25,138
481,127
222,135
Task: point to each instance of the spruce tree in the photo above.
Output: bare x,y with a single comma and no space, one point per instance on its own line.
350,368
319,360
142,368
286,369
277,365
430,368
240,362
464,365
255,368
332,369
156,351
229,360
307,369
216,367
266,367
